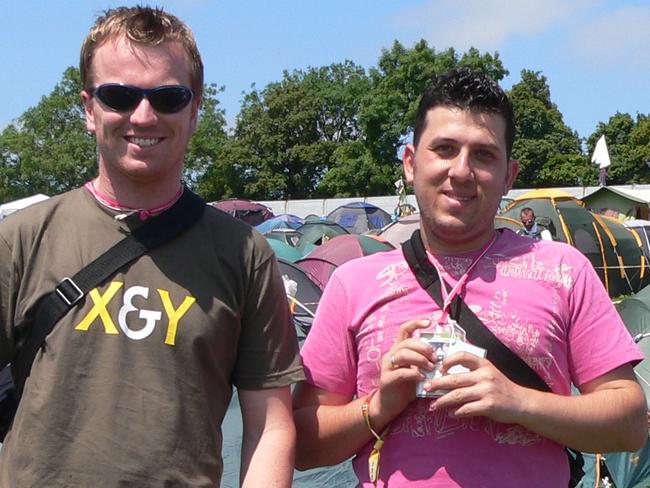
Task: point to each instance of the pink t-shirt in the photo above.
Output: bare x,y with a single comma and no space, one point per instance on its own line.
542,299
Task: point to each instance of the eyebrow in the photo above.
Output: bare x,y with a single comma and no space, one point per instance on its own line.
451,140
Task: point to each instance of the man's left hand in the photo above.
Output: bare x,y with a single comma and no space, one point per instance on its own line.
483,391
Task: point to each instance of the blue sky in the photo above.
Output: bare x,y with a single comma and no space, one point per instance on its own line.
595,53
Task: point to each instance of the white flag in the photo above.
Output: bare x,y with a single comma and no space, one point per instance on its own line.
601,155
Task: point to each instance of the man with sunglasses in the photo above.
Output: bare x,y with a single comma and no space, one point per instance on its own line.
132,384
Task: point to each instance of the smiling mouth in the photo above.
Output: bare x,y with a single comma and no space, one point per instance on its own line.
459,198
143,141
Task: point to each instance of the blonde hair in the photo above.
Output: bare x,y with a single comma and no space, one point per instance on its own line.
143,25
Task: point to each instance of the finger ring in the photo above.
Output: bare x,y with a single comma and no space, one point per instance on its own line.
392,361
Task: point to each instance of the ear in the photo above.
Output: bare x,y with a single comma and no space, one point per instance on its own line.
511,176
194,118
408,160
89,109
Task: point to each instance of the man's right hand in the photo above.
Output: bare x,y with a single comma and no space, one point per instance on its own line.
331,427
401,369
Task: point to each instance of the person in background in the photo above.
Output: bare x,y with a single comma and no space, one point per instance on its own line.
363,358
531,228
132,384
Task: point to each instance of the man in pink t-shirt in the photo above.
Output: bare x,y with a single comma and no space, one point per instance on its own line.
543,300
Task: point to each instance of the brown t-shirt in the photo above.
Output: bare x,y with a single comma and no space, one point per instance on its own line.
133,384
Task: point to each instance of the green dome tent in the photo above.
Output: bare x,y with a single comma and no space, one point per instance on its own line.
615,251
630,469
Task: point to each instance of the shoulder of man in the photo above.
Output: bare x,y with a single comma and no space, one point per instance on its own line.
33,216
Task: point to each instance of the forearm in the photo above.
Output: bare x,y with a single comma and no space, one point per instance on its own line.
608,416
331,427
268,460
269,436
330,434
610,420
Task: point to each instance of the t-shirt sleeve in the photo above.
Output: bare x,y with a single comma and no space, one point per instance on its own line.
598,339
328,353
268,355
6,308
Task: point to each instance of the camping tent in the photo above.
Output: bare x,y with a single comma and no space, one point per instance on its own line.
401,230
633,469
615,251
288,236
250,212
360,217
11,207
635,312
302,293
642,228
284,250
624,202
316,232
320,263
284,221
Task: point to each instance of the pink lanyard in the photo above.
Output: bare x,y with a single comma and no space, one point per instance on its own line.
144,214
448,297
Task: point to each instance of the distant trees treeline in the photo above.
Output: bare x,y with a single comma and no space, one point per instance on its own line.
328,131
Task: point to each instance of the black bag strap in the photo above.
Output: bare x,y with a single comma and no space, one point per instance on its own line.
506,361
509,363
70,291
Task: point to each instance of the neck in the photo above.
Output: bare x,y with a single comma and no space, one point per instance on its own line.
136,195
437,246
143,211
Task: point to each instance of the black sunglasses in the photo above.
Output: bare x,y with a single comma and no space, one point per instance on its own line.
167,99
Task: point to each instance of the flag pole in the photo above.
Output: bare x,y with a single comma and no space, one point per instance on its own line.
601,158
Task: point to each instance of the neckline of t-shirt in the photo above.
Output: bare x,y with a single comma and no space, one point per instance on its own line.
444,262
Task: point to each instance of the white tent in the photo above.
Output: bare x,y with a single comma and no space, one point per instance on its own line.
11,207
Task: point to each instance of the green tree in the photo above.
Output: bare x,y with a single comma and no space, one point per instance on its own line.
566,170
356,173
542,138
640,148
203,160
287,134
333,130
48,150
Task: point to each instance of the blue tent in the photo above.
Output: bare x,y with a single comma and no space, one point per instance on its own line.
284,221
360,217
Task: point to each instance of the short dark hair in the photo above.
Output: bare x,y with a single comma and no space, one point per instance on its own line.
526,210
466,89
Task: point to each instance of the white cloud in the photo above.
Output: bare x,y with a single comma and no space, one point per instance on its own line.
486,24
619,39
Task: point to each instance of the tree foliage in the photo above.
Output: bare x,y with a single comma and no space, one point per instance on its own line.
640,148
544,145
287,134
326,131
48,150
337,130
204,153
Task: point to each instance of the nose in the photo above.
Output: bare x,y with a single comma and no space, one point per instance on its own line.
144,114
461,166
